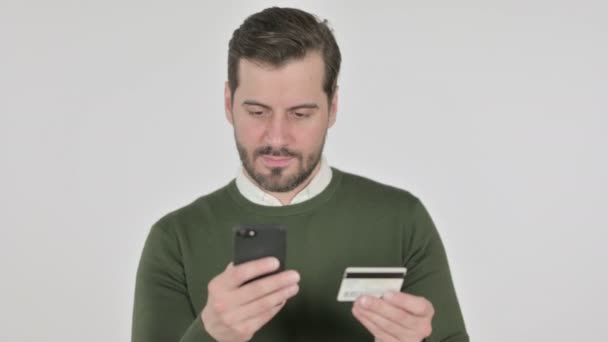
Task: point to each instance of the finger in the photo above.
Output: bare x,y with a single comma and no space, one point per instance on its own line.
388,326
418,306
235,276
388,310
263,305
372,327
262,287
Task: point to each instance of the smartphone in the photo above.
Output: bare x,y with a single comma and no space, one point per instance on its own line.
255,241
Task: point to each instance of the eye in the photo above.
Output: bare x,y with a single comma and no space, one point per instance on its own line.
301,115
256,113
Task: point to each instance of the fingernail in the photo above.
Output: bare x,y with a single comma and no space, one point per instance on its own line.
388,294
275,263
294,276
364,301
294,289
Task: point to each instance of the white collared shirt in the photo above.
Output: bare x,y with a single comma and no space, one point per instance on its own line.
255,194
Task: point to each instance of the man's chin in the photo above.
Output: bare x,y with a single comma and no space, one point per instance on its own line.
279,178
274,180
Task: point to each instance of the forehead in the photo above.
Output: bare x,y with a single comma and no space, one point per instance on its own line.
296,80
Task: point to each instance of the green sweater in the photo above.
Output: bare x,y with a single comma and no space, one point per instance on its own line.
353,222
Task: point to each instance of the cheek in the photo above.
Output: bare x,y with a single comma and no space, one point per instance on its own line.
248,134
310,139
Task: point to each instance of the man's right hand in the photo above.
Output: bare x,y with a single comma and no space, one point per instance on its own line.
234,313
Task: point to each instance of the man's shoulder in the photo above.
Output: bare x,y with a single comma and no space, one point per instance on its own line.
196,209
370,190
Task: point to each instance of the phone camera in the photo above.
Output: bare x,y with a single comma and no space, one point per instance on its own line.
247,233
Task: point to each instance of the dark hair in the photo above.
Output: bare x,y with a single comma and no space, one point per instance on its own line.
277,35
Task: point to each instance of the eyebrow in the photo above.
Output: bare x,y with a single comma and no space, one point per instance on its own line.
303,105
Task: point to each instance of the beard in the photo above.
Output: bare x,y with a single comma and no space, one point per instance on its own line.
278,180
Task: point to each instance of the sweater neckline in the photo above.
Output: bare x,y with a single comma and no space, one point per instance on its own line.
286,210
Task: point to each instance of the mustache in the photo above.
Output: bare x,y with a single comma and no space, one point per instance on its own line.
281,152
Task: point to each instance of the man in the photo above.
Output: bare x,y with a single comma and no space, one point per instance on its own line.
281,98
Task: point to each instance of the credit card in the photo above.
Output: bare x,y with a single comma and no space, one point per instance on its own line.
373,281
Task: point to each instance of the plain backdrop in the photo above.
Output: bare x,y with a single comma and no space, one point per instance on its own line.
494,113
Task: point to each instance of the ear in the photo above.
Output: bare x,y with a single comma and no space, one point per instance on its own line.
333,108
228,102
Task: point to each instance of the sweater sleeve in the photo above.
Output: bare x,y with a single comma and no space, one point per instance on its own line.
162,310
428,275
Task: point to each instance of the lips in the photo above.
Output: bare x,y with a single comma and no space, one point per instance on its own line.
276,161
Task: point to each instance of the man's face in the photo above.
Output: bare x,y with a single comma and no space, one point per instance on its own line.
280,119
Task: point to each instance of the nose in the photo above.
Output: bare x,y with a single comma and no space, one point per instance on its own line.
277,131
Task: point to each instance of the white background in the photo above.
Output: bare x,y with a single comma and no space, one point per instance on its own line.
492,112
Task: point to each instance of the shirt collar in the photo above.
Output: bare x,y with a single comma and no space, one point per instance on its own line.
255,194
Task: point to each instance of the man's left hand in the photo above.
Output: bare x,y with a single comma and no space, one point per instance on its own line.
396,317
